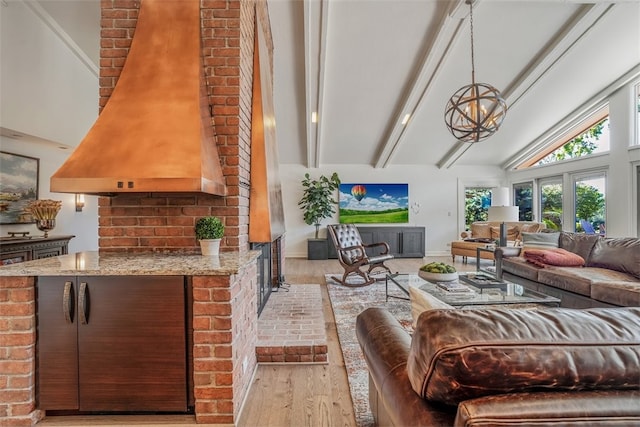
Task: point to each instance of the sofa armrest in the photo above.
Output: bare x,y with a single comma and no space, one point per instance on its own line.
506,252
385,345
611,407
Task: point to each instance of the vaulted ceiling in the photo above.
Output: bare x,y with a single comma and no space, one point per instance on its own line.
362,65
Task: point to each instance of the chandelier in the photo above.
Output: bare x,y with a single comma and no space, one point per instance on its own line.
475,111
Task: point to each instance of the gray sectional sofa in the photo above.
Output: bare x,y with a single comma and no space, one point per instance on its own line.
609,278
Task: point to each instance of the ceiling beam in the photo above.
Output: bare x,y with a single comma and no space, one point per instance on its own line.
576,27
435,56
315,36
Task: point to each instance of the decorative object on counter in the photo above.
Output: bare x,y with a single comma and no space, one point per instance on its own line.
317,201
209,231
438,272
44,212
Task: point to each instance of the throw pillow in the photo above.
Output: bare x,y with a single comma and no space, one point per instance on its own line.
512,233
530,228
579,243
539,241
620,254
554,256
422,301
480,231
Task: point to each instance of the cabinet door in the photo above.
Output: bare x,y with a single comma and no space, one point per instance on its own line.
413,242
132,343
57,344
391,236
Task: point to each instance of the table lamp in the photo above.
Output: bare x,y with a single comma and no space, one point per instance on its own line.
499,211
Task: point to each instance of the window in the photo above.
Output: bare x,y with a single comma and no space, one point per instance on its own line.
523,198
551,202
589,196
589,136
476,204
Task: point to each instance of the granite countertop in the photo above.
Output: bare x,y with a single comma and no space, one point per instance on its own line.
93,264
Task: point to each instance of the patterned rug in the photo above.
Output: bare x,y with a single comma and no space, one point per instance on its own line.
347,303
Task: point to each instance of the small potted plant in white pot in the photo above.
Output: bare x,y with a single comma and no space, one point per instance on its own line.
209,231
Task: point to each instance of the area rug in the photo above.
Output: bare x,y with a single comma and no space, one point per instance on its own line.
347,303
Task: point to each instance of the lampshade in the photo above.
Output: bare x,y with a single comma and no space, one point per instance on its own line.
503,213
500,196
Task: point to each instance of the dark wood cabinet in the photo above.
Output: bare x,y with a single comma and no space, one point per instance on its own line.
404,242
20,249
112,343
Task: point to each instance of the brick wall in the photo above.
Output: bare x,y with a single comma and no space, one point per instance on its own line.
17,352
225,330
142,222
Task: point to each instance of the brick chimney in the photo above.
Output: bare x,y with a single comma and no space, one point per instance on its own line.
164,222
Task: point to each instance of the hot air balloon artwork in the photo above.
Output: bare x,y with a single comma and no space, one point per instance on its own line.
358,191
374,203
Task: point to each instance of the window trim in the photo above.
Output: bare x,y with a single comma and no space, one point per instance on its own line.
599,114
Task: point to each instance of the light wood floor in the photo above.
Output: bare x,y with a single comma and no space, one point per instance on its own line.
287,394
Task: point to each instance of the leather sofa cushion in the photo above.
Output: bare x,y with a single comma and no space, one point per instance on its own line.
573,279
493,351
622,293
551,409
520,267
578,243
480,231
620,254
513,232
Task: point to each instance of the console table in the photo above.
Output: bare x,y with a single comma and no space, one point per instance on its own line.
404,242
20,249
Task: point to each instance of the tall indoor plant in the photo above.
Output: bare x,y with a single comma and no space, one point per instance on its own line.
317,201
209,231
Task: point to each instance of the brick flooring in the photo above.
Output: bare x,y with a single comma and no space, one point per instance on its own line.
291,327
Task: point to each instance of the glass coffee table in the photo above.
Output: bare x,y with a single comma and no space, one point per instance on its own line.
504,293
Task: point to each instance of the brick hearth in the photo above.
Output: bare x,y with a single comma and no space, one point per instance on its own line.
291,327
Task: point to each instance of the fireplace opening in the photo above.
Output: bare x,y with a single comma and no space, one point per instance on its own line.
270,270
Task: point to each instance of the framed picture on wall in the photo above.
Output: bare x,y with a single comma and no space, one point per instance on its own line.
374,203
18,187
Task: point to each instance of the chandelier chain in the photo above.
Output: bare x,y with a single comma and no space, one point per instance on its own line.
473,68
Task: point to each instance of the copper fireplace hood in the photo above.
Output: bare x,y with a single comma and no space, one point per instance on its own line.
155,133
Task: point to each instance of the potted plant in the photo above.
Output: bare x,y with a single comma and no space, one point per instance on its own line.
317,201
209,231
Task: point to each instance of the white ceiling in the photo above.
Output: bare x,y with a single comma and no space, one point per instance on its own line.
364,64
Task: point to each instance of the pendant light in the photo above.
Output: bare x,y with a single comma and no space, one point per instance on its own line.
474,112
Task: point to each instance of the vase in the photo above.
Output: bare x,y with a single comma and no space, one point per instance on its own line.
210,247
45,225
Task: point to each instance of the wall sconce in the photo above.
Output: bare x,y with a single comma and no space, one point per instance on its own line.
79,202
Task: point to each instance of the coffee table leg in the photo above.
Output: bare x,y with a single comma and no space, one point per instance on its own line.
386,288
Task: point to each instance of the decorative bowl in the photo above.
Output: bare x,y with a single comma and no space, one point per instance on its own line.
437,277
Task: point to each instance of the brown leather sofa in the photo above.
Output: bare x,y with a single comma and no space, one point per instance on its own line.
501,367
610,277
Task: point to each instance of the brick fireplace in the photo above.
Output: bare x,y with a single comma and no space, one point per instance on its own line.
224,307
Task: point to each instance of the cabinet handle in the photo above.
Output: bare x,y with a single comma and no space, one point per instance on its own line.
83,303
67,302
